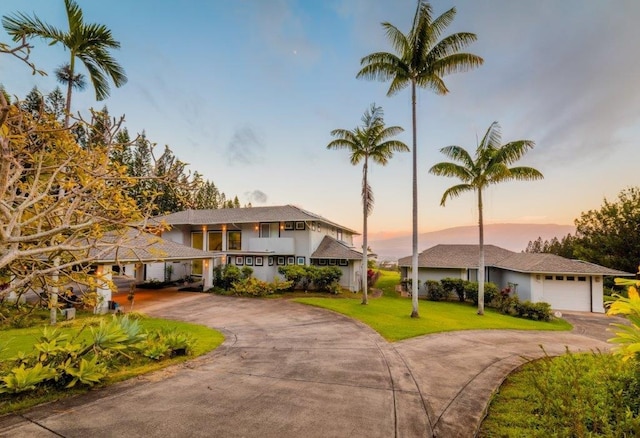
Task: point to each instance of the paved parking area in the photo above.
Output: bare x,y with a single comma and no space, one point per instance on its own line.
289,370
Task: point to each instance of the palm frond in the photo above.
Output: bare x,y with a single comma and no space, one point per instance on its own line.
453,170
491,139
455,191
513,151
367,198
22,26
458,153
457,63
397,38
440,24
452,44
74,16
526,174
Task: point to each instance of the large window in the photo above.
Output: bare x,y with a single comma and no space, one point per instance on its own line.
215,241
270,229
234,240
197,242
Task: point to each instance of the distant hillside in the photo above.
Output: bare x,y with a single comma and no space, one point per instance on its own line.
510,236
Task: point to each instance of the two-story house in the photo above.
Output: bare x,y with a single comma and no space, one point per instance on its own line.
263,238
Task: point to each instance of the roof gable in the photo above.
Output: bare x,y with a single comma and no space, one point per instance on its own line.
331,248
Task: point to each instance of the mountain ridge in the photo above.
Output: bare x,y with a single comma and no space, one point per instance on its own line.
514,237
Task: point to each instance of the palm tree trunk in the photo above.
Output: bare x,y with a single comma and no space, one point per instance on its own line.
365,211
414,237
67,111
481,262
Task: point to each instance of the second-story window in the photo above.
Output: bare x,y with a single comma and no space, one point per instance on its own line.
339,234
234,240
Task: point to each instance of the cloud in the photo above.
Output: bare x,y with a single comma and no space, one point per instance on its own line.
245,147
281,29
256,197
568,87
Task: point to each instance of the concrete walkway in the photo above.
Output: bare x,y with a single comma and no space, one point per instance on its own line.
289,370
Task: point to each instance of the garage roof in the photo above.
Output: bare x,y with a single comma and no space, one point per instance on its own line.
466,256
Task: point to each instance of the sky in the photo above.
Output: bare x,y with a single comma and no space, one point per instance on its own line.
248,91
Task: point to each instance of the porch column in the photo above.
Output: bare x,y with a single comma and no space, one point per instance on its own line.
207,274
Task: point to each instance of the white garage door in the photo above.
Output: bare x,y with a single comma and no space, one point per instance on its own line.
567,292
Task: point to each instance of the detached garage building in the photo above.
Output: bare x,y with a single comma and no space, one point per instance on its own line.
565,284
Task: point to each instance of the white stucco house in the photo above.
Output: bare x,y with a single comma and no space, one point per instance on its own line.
565,284
263,238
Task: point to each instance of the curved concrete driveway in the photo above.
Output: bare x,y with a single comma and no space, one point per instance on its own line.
288,370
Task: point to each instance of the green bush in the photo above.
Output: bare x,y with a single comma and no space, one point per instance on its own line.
293,273
454,285
327,278
573,395
540,311
435,291
225,276
252,287
303,277
471,292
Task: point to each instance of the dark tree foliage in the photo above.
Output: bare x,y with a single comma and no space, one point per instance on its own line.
610,236
563,247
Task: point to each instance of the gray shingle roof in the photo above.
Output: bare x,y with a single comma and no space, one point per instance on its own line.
330,248
145,248
466,256
553,264
457,256
245,215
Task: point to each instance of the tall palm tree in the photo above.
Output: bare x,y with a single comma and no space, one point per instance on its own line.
371,141
422,59
489,166
88,42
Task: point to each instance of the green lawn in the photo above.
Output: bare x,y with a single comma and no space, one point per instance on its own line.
389,315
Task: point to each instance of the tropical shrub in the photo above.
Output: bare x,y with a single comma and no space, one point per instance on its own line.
327,278
454,285
225,276
573,395
323,278
471,291
539,311
372,278
252,287
63,362
627,336
435,291
293,273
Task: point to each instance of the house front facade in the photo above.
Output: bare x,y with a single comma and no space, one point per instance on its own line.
262,238
566,284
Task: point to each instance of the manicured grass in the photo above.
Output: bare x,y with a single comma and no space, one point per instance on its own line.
387,283
391,317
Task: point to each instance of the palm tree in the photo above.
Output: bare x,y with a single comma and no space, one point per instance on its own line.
65,76
422,59
90,43
371,141
490,166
